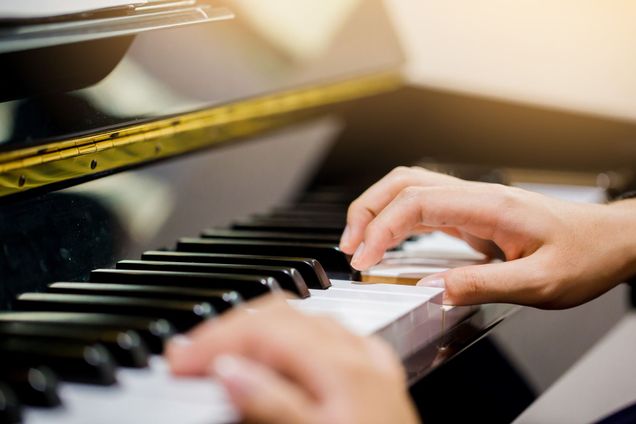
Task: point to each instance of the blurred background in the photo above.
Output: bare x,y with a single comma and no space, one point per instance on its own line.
571,54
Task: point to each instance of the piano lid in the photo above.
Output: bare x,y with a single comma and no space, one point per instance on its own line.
83,109
38,25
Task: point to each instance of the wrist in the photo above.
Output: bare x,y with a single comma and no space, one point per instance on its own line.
622,222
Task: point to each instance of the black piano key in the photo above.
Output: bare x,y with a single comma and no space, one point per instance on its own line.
329,195
326,215
302,226
248,286
183,314
221,300
313,207
270,235
10,408
76,362
298,219
288,278
125,346
333,260
154,332
35,386
311,270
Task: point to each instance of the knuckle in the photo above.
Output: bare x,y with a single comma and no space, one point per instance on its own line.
401,175
353,208
378,231
509,197
358,209
547,293
411,193
400,170
548,287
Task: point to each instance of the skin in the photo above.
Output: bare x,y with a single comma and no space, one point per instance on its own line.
281,366
557,254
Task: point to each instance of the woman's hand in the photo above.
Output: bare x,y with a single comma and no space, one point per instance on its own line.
280,366
559,254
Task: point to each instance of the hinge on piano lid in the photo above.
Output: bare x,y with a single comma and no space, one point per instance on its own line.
91,155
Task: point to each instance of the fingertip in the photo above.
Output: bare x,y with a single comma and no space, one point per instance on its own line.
237,375
177,352
435,281
358,257
344,238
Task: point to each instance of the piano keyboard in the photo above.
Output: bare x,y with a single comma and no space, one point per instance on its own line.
103,338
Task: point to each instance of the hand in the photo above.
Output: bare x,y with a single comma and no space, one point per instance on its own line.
280,366
559,254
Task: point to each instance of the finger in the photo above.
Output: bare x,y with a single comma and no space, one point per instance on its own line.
487,247
269,333
380,194
260,394
385,358
474,209
519,281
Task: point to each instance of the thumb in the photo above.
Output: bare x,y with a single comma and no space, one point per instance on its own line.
516,281
260,394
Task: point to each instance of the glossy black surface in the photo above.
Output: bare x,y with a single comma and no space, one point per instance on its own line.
288,278
76,362
182,314
456,339
332,259
247,286
85,87
126,347
10,408
310,237
313,273
36,386
221,300
154,332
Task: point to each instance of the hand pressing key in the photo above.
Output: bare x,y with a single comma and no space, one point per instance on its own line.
558,254
280,366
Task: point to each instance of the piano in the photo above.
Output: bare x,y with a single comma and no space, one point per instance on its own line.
162,164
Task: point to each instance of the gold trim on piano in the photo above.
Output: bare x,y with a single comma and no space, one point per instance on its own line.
64,160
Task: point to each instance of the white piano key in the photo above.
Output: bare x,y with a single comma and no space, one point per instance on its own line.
362,294
441,245
387,289
150,395
412,271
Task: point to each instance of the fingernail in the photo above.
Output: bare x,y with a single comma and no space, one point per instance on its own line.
434,282
181,341
358,254
233,371
344,239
